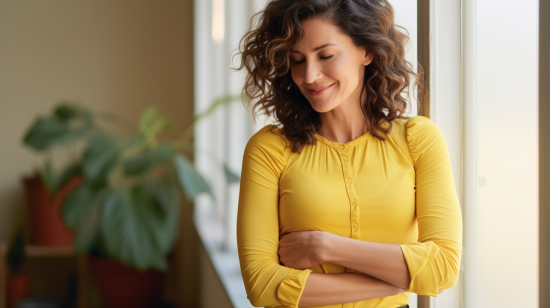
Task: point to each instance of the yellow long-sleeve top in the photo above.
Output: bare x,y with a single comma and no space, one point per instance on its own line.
397,191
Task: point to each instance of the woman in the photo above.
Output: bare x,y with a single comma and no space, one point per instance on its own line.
348,203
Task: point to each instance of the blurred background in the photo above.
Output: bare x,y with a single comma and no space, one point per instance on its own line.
122,131
112,57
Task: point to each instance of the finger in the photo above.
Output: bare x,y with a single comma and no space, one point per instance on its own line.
282,235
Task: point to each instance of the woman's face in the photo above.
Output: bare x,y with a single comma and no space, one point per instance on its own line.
326,65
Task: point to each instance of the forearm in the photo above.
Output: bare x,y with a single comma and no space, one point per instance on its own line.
327,289
383,261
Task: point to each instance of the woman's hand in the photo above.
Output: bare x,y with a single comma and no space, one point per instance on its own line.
301,250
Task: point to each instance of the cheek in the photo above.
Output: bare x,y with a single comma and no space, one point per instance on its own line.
343,70
347,73
296,75
336,69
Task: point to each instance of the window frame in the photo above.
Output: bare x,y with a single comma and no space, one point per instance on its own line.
440,53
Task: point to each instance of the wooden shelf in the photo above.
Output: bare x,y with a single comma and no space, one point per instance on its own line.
44,251
33,251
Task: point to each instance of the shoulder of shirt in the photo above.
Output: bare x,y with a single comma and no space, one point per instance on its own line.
423,136
270,140
413,126
415,134
422,127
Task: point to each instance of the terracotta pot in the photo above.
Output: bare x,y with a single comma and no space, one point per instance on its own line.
18,288
121,286
47,226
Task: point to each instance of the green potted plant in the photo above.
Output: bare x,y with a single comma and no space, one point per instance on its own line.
47,187
125,212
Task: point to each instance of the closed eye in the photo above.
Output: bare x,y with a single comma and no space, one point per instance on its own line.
322,58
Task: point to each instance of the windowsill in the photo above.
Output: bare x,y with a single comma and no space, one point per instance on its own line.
225,261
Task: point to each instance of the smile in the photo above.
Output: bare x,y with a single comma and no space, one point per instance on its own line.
319,90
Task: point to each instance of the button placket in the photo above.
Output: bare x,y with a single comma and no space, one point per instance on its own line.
350,188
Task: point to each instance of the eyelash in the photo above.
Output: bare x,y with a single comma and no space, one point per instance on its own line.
323,58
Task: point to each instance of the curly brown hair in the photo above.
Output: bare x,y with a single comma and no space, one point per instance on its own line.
264,53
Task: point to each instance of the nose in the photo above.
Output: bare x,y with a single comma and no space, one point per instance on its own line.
312,72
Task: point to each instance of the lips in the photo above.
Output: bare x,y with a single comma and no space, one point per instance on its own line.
319,90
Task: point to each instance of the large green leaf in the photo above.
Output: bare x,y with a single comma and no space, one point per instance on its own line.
168,194
120,233
147,159
158,220
87,236
67,111
48,132
76,204
193,183
134,228
80,212
230,176
103,155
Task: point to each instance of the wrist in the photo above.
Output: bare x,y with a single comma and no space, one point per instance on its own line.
326,247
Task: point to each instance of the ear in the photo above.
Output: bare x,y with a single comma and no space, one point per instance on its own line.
369,56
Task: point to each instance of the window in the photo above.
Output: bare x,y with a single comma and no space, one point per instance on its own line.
501,143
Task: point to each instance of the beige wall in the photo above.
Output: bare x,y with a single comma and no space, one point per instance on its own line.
116,56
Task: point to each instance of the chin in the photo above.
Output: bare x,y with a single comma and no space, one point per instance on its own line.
322,110
322,107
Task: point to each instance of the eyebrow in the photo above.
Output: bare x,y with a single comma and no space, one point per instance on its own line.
314,49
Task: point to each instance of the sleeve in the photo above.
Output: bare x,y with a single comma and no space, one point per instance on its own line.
434,260
267,282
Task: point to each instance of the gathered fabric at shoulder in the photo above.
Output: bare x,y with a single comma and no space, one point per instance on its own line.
422,133
268,147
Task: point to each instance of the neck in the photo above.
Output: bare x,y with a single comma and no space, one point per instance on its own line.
345,122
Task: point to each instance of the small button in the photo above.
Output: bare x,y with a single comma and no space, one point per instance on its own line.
348,181
354,226
354,203
342,147
345,158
